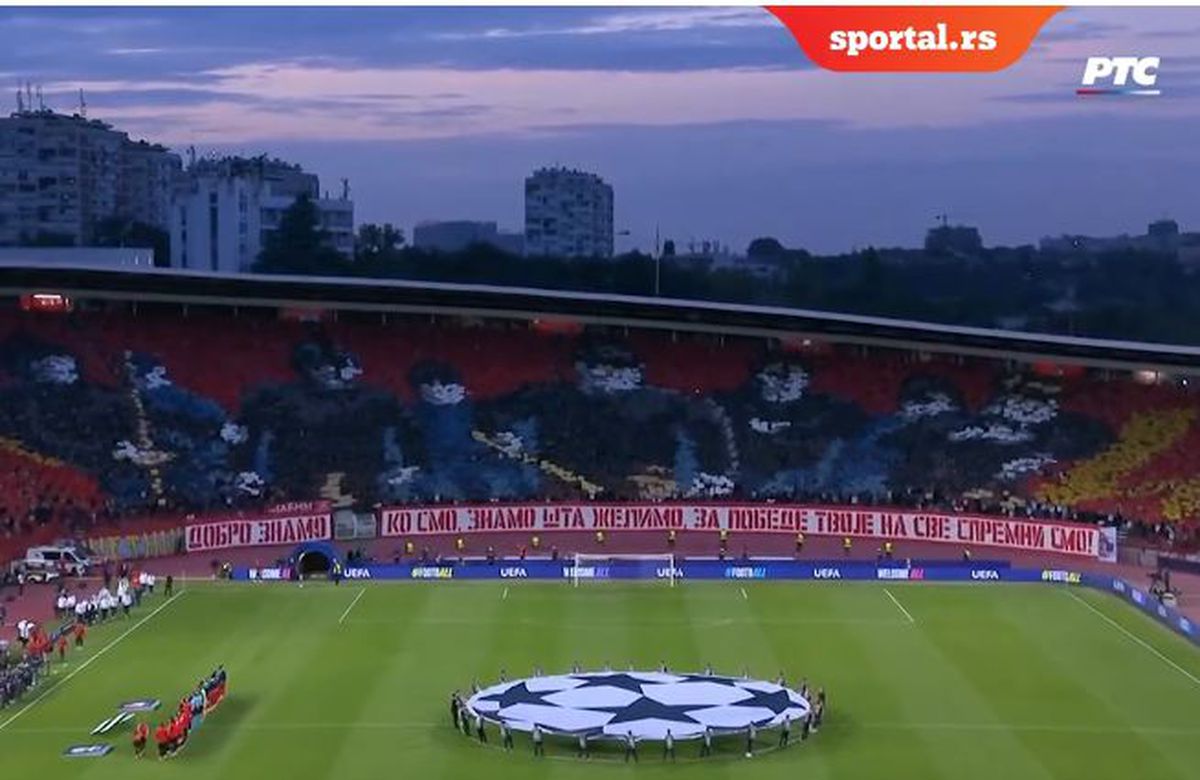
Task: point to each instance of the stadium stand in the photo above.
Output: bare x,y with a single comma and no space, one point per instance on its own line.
114,413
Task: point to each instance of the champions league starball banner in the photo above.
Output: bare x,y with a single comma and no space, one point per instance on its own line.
637,704
1078,539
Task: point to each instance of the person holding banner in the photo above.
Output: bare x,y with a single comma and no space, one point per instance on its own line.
506,738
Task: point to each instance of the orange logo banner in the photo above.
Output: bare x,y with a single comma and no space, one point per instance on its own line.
950,39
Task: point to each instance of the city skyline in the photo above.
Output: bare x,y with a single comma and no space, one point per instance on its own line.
709,123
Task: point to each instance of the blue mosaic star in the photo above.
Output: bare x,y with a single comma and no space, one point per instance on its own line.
617,680
517,694
647,708
776,702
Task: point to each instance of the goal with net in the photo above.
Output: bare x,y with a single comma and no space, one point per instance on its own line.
610,566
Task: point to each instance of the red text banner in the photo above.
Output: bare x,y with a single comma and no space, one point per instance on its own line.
856,522
259,531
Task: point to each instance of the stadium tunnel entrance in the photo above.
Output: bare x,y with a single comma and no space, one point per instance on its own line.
314,558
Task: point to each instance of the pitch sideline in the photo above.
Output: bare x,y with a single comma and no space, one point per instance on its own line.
89,661
1135,638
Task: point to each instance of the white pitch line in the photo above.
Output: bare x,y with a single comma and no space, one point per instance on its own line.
504,595
342,619
898,604
89,661
1136,638
1054,728
744,596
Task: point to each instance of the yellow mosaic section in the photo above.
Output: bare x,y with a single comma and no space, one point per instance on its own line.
1144,436
1183,501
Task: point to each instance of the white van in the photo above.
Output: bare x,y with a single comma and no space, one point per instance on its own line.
48,562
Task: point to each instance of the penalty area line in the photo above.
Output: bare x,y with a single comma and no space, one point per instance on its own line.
89,661
1135,638
342,619
899,606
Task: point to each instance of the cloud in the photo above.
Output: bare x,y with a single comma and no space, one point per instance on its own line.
74,24
673,20
1083,30
1187,33
126,52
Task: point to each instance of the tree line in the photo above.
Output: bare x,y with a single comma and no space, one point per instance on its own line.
1131,294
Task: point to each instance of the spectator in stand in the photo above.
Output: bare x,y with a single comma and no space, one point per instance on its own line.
786,433
57,412
325,422
609,431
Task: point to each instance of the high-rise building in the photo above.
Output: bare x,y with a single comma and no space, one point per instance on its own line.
61,175
568,213
225,210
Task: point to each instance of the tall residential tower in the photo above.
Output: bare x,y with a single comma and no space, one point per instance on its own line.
61,175
568,213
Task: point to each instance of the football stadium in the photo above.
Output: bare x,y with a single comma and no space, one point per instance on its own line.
318,527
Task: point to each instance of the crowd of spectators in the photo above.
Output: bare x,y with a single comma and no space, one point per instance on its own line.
98,430
18,675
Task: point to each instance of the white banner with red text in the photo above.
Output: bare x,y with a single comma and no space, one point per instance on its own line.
308,524
855,522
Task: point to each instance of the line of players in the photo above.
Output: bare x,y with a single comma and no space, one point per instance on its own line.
463,718
105,603
172,735
38,647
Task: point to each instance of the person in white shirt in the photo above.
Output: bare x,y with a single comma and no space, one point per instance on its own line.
126,602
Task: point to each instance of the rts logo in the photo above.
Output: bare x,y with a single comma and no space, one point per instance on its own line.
1119,72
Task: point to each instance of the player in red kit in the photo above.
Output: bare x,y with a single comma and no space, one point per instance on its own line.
140,733
176,734
62,647
162,736
80,634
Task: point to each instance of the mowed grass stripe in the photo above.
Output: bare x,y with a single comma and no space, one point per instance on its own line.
797,658
311,698
958,652
278,676
1028,623
912,667
1060,686
413,668
1112,722
1176,654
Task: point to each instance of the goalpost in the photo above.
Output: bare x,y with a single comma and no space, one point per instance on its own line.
658,567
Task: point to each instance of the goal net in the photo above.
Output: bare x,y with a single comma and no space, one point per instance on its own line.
610,566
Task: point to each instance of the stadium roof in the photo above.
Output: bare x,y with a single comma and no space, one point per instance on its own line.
421,297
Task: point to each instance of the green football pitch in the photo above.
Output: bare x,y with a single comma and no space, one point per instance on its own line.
924,681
